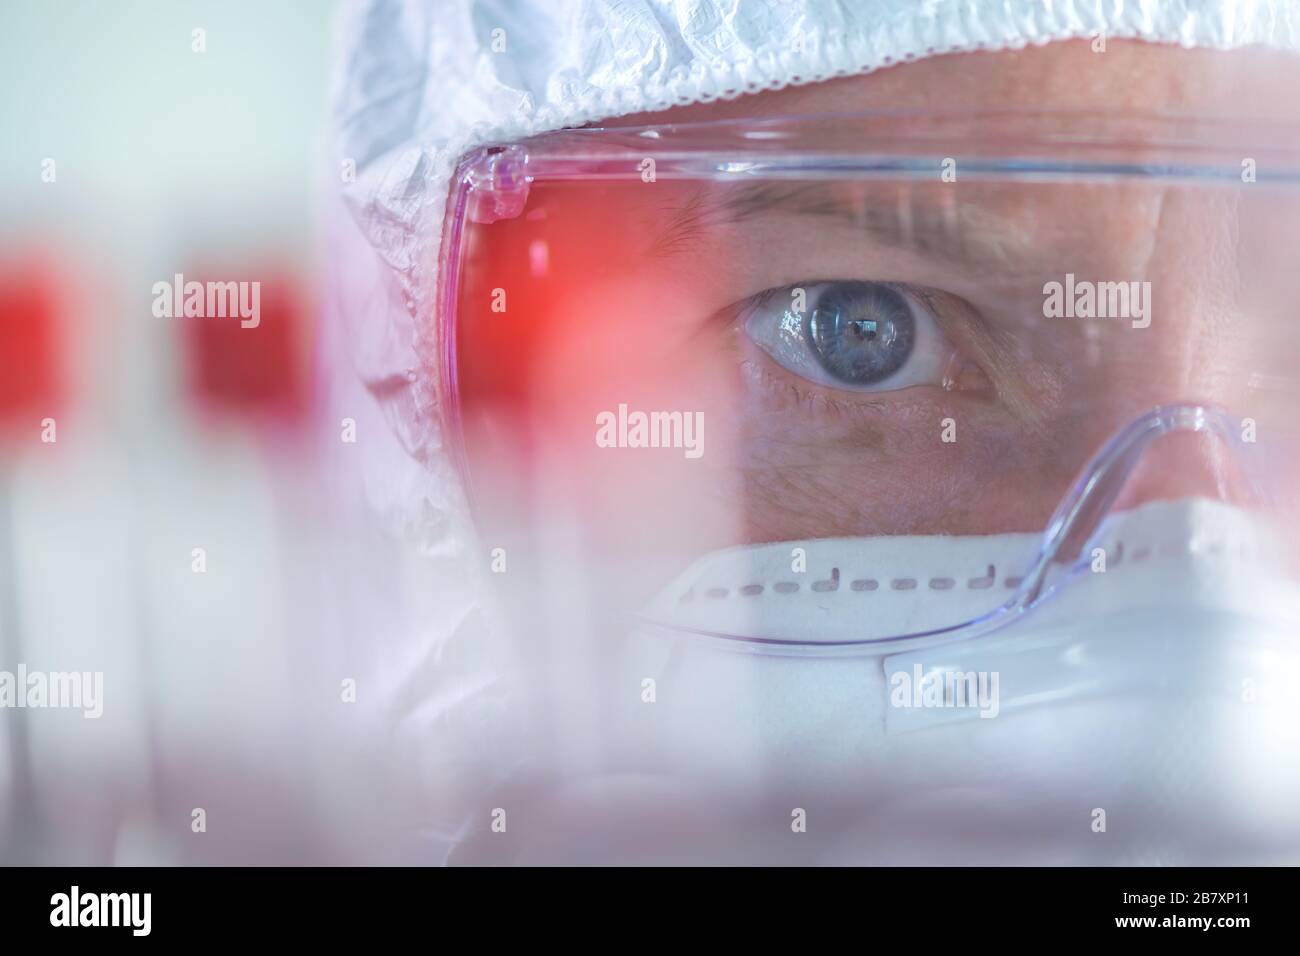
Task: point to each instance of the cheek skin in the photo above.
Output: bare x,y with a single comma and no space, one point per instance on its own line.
921,491
813,466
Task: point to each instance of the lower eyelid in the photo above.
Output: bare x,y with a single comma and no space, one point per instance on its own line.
794,392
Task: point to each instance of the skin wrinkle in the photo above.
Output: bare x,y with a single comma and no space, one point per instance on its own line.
978,241
994,352
686,226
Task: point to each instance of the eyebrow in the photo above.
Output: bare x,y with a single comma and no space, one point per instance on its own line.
965,235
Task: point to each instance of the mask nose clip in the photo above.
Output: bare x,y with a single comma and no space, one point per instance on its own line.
1103,479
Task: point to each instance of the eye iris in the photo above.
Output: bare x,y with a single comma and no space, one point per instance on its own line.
861,332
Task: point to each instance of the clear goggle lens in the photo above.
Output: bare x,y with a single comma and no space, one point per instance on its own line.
907,336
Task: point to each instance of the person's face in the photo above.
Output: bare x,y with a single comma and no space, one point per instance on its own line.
876,357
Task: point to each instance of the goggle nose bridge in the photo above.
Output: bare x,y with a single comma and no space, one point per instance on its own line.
1102,479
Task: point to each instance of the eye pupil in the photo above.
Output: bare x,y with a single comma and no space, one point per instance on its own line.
865,329
861,332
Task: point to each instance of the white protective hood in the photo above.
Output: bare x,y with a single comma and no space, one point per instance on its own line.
419,85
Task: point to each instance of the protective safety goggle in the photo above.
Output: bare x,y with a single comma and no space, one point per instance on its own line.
978,336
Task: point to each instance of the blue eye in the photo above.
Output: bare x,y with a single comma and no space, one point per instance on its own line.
861,332
856,335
